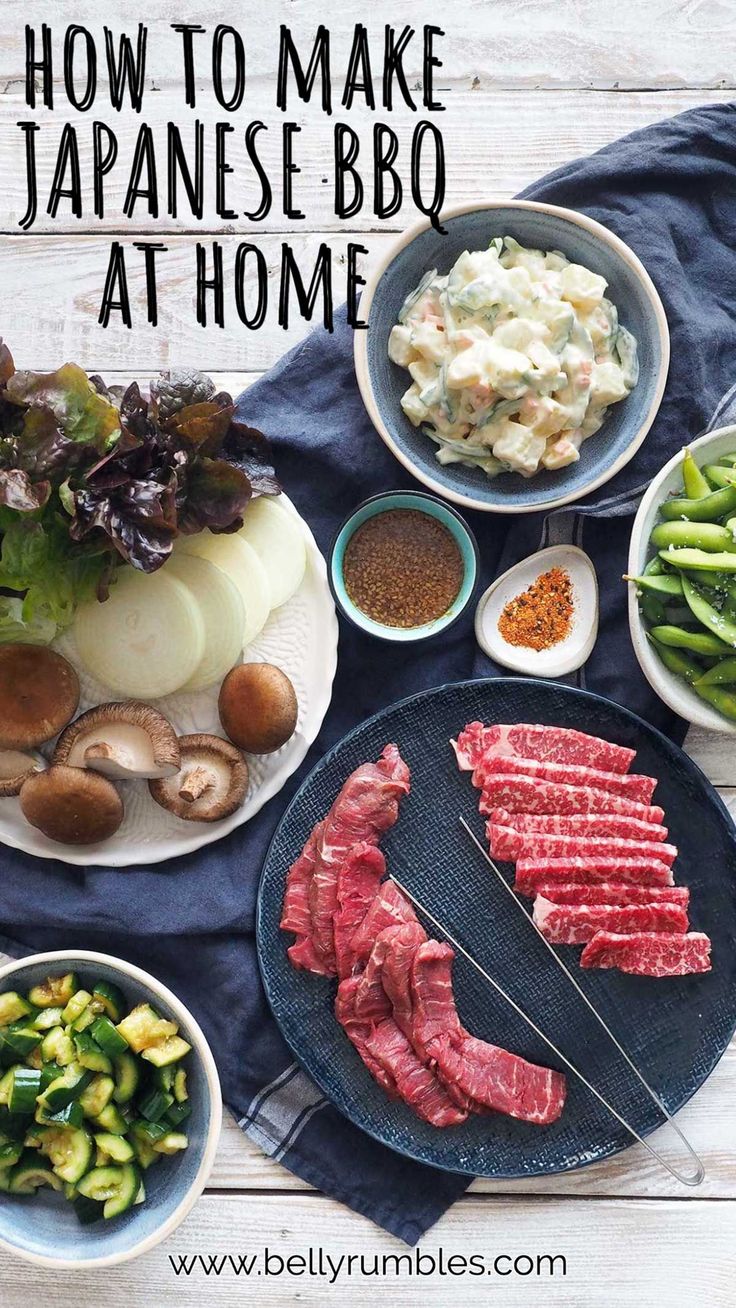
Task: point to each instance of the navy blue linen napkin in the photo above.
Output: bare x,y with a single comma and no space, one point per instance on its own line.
669,192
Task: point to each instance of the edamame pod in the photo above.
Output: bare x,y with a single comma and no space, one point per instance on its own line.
675,661
724,671
697,559
718,623
654,568
700,642
718,476
652,608
694,482
667,583
693,535
707,509
728,459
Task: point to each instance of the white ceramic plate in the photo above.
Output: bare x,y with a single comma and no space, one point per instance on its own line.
571,652
673,690
301,638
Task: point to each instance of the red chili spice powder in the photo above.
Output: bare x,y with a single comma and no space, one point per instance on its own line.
402,568
542,616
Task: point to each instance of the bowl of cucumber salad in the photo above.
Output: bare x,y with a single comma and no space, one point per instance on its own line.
682,582
110,1110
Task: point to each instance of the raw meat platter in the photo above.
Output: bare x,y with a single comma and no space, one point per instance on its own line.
674,1027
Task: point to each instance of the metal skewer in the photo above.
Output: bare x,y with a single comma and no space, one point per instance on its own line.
699,1174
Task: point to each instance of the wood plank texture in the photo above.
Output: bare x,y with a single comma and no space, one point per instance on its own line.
625,1254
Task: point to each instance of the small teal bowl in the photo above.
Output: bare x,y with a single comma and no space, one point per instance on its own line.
442,512
541,226
43,1228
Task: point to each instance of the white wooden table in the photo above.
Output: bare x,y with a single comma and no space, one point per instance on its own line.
528,84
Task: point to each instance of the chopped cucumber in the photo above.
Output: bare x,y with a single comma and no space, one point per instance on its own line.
127,1078
12,1007
68,1151
143,1027
31,1173
171,1143
111,998
155,1104
97,1095
46,1019
54,991
57,1047
89,1053
116,1187
25,1087
65,1088
111,1120
111,1039
86,1105
76,1006
116,1148
170,1051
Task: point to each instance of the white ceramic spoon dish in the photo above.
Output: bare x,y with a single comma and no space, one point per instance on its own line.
567,654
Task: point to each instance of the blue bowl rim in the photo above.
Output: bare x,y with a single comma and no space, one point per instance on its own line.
439,626
203,1052
607,237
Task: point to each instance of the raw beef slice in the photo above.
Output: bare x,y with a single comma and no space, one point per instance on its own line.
531,873
575,924
491,1076
547,744
367,805
520,794
649,953
510,845
612,892
579,824
358,881
389,908
633,785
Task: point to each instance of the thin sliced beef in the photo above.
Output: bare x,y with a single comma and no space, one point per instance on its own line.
397,963
391,1058
612,892
295,915
655,954
510,845
360,1033
581,825
575,924
520,794
531,873
633,785
547,744
367,805
358,881
389,908
493,1077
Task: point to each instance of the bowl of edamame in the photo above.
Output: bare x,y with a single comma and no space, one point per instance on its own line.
682,582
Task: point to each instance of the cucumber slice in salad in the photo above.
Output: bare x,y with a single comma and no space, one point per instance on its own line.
115,1187
69,1151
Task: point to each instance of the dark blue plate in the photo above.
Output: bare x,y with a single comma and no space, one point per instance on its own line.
675,1030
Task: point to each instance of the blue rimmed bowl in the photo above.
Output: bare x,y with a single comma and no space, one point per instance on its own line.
542,226
461,534
43,1228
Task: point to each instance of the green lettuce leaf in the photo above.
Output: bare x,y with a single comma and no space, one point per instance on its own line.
82,413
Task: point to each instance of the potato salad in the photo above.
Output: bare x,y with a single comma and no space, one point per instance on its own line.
515,356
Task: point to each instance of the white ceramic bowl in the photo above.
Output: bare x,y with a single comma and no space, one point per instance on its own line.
673,690
44,1229
540,226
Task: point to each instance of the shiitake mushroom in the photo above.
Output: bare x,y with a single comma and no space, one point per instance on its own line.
258,707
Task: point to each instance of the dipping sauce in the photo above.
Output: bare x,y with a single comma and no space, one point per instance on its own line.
542,616
403,568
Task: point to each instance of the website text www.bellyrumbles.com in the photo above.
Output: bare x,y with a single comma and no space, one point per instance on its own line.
320,1264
